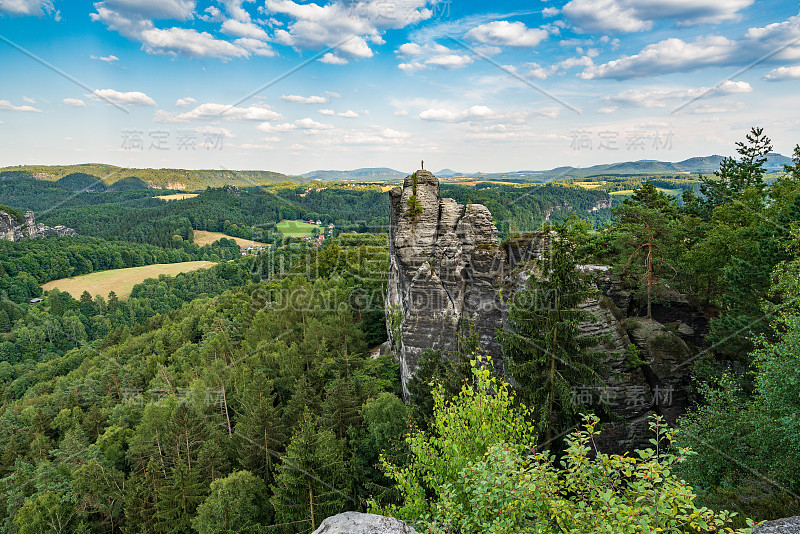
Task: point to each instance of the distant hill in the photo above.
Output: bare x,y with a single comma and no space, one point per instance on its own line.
696,165
368,174
446,172
86,176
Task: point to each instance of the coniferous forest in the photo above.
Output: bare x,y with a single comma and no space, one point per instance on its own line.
249,397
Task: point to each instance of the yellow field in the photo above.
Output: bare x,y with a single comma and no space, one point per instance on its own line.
201,237
121,281
623,192
177,196
590,185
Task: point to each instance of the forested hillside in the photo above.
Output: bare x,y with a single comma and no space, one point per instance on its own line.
247,397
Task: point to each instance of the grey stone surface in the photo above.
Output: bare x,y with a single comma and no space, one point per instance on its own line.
11,231
358,523
788,525
447,267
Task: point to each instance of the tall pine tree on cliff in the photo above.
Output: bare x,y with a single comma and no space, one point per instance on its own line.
547,354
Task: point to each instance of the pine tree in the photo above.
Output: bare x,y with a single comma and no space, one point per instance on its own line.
308,487
647,234
546,352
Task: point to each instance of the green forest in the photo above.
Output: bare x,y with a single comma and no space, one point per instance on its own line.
248,397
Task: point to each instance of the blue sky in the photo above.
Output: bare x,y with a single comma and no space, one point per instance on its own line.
294,86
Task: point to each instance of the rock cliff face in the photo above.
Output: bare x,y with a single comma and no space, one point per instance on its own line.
448,268
11,231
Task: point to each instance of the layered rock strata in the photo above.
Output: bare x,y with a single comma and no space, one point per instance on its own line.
448,269
10,230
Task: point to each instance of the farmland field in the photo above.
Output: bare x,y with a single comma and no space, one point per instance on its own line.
297,228
201,237
176,196
121,281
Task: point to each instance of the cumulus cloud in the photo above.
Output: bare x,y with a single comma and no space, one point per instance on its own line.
504,33
76,102
151,9
255,46
327,112
5,105
676,55
625,16
270,128
420,57
351,27
349,114
133,20
211,111
306,99
237,28
185,102
310,124
131,98
332,59
783,73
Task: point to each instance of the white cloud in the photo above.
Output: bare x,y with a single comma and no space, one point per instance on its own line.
268,127
27,7
255,46
151,9
211,111
659,98
327,112
107,59
310,124
778,40
235,10
5,105
400,113
188,42
29,100
305,99
430,55
550,11
349,26
214,15
504,33
132,98
627,16
76,102
410,67
783,73
333,59
349,114
447,115
450,61
131,21
185,102
238,28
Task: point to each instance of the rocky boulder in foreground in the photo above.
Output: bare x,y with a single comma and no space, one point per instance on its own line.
358,523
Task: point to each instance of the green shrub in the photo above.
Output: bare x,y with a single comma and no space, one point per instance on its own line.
478,471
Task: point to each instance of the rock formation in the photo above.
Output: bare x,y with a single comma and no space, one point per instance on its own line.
445,267
357,523
448,268
10,230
